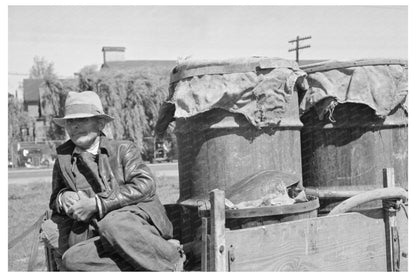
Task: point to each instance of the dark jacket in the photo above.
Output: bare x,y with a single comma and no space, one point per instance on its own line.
127,181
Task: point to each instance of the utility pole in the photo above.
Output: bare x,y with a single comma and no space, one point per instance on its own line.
297,48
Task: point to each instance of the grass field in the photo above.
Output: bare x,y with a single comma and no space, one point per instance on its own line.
26,202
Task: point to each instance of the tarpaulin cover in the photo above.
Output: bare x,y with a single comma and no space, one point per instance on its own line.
381,87
258,88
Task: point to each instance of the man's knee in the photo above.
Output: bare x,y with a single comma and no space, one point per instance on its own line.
71,259
84,256
119,223
77,257
108,225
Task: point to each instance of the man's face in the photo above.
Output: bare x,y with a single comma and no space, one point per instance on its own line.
83,131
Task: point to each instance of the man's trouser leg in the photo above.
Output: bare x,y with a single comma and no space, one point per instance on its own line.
91,255
129,234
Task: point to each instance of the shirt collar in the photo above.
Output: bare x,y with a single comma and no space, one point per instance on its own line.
104,144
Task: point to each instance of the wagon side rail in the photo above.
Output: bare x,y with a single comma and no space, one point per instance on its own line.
354,241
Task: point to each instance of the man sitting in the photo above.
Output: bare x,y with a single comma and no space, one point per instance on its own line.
106,215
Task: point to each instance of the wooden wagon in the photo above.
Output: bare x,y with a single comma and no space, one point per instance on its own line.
218,147
344,240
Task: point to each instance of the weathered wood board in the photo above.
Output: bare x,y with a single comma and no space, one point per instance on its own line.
402,225
346,242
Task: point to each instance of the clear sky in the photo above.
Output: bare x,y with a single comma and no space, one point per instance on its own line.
72,36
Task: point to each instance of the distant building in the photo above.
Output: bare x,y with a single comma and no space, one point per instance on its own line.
33,91
113,57
34,150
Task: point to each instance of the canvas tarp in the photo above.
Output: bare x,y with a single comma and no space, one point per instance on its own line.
381,87
260,89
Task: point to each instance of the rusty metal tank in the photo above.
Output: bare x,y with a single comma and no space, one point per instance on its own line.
347,143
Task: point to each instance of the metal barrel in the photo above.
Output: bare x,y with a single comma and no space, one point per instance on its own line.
349,152
219,149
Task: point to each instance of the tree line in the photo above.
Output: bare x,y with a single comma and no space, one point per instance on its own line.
132,97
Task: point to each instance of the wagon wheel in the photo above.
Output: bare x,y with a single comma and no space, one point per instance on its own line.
377,194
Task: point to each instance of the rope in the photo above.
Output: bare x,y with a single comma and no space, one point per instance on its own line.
404,208
34,250
35,247
331,109
20,237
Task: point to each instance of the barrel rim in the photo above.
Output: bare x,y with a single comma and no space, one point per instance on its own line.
375,126
296,208
326,66
195,68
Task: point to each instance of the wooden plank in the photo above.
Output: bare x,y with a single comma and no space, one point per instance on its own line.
391,224
388,178
217,250
402,226
346,242
50,266
204,252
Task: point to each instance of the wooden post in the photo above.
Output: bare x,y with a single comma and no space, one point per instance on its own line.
393,258
388,178
217,243
204,252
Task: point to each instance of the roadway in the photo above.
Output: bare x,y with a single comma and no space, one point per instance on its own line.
28,175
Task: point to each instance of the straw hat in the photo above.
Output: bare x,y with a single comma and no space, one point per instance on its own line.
81,105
